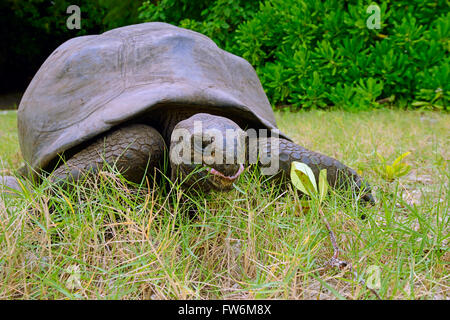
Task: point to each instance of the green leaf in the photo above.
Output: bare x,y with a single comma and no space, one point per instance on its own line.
323,184
404,169
303,178
400,158
420,103
389,172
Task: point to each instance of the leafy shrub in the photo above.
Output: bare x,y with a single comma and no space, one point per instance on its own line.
32,29
396,170
315,54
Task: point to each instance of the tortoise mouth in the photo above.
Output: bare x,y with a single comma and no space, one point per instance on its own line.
217,174
219,181
208,178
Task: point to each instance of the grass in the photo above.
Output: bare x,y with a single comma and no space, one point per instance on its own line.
107,240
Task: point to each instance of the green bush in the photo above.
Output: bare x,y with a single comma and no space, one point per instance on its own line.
316,54
32,29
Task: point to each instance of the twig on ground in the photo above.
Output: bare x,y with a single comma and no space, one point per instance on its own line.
341,264
334,261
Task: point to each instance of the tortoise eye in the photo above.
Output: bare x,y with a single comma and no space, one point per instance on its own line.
207,141
201,142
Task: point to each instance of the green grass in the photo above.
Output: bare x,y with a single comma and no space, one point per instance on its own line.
254,242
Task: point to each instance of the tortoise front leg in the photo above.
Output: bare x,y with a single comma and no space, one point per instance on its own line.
338,174
133,150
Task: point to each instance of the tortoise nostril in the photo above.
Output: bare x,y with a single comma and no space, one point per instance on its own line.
206,143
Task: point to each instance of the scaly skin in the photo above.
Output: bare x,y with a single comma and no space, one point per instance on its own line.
130,148
338,174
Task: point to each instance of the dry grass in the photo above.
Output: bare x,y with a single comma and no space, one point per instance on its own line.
107,240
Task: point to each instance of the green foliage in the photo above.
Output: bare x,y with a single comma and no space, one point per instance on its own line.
216,19
396,170
118,13
34,28
303,179
314,54
96,15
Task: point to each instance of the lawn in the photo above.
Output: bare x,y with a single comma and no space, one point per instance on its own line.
108,240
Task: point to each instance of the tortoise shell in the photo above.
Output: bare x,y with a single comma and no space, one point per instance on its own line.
91,83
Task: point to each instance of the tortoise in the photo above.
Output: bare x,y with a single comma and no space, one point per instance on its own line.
121,96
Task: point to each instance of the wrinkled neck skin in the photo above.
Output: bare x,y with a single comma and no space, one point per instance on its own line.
170,119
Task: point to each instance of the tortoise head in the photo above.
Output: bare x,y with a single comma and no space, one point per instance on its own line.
207,152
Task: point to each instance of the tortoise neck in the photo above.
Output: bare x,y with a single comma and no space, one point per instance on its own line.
170,119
